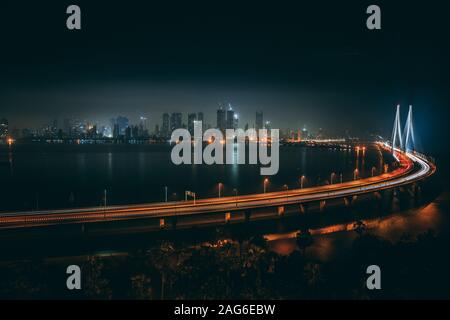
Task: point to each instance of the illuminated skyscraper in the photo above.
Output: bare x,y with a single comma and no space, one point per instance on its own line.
165,125
192,117
230,117
200,118
221,119
236,121
175,121
3,128
304,133
259,120
122,122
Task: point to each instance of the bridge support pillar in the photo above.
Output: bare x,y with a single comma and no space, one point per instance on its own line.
377,195
281,210
322,205
174,222
350,200
247,215
347,201
394,192
414,190
303,208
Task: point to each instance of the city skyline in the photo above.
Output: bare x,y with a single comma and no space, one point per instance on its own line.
141,128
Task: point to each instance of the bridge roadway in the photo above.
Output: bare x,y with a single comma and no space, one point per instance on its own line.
412,168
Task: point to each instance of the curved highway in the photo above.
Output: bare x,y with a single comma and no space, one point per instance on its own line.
412,168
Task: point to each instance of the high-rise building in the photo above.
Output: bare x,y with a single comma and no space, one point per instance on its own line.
230,117
259,120
200,118
54,128
144,123
135,132
68,125
192,117
122,123
319,134
115,131
127,133
236,121
3,128
175,121
165,125
221,119
305,133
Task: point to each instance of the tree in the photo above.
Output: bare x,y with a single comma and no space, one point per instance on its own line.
96,284
141,286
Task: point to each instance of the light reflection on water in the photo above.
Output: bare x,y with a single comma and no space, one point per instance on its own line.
139,173
336,239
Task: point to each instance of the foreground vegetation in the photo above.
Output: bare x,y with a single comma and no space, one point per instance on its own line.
242,269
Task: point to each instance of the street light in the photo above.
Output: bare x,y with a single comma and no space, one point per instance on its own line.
104,211
302,179
220,188
340,176
165,188
331,177
266,181
285,187
355,174
235,194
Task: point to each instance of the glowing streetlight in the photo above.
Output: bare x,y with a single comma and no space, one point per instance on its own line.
332,177
286,188
355,174
266,181
104,204
302,180
220,188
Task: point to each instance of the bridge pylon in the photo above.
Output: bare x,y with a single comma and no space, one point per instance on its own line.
397,131
409,132
406,141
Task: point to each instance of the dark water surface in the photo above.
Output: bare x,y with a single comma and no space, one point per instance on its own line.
45,176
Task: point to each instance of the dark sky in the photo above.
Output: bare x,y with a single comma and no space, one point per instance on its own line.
301,62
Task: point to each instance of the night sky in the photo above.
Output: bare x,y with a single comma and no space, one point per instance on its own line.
308,63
